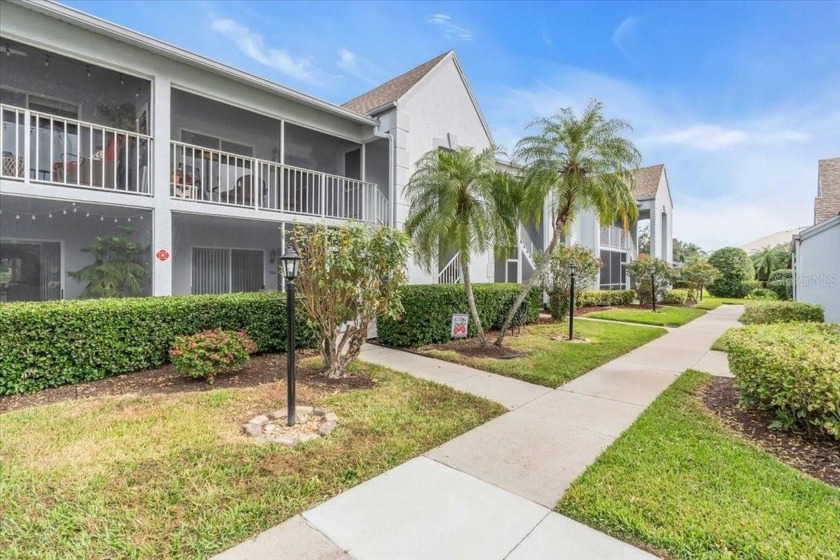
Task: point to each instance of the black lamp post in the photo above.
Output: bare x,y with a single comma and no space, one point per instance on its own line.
653,290
290,261
572,268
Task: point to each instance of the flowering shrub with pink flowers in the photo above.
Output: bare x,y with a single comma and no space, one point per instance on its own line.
208,353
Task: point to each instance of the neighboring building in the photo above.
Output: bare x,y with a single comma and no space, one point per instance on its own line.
103,127
816,250
772,240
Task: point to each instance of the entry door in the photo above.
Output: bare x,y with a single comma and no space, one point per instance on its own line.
30,271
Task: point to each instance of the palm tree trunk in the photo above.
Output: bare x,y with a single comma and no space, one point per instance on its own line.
465,271
530,283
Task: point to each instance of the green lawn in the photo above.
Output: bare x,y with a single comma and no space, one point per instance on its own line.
170,476
664,316
719,345
709,302
550,362
680,484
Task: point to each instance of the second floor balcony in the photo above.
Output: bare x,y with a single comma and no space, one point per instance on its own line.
71,124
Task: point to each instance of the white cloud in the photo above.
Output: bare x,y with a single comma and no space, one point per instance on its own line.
253,46
356,66
624,32
715,137
733,179
449,28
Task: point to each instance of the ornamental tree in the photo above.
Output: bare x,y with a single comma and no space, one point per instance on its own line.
736,270
696,275
556,280
651,276
348,276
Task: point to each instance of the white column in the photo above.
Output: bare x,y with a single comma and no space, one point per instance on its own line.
162,230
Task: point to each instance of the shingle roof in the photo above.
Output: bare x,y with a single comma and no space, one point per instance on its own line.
647,182
391,90
827,203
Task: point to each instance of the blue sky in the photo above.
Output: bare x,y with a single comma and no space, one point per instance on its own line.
739,100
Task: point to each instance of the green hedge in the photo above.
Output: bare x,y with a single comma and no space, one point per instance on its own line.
782,312
675,297
54,343
792,369
600,298
428,311
781,282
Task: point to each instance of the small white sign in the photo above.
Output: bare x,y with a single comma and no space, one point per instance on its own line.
460,324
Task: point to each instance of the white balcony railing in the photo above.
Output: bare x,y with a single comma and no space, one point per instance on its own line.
206,175
41,148
451,273
614,237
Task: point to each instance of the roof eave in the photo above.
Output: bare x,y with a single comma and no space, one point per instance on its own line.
125,35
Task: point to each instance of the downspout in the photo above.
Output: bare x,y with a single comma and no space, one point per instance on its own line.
392,156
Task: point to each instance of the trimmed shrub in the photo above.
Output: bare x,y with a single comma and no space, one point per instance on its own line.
750,286
791,369
735,269
781,282
675,297
600,298
54,343
782,312
209,353
762,294
428,311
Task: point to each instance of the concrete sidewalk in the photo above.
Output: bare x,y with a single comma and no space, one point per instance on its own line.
489,492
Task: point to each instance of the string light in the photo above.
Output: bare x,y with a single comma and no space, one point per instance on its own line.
50,214
122,80
87,70
47,61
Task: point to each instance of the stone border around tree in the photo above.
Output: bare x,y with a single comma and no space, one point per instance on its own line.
312,423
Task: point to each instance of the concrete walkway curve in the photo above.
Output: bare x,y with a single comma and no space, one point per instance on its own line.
488,494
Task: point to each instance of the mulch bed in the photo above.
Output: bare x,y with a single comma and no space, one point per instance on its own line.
815,455
472,347
265,368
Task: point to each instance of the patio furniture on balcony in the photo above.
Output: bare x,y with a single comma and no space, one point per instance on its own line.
70,152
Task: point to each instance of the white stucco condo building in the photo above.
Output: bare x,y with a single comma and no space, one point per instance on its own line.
104,128
816,249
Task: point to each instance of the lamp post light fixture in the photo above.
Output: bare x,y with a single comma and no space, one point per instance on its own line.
572,268
290,262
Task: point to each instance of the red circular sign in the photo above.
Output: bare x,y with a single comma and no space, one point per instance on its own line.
162,255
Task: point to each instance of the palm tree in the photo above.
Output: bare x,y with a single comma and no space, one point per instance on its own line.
457,203
576,163
769,259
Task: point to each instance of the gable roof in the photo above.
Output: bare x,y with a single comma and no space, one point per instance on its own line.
647,182
827,203
392,90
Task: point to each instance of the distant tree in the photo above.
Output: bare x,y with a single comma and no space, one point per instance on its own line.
651,276
736,270
644,241
696,275
118,269
770,259
781,282
557,278
576,162
687,252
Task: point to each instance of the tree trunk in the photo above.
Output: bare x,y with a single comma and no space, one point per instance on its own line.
530,283
465,271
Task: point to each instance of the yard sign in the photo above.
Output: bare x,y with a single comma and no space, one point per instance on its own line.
460,322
